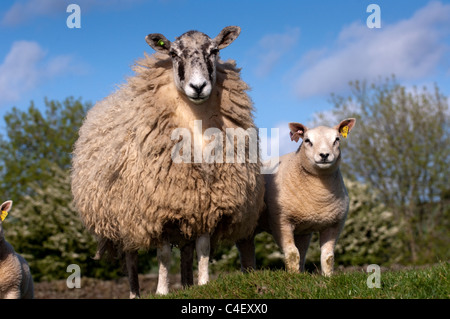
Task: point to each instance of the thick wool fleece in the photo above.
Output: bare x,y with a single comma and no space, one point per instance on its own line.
127,188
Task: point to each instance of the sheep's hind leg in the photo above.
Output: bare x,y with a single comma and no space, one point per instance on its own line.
187,261
246,249
163,253
203,250
302,243
131,260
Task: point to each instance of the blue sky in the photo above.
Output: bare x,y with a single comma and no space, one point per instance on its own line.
293,54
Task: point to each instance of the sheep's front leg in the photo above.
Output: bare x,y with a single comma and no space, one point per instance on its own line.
246,249
163,253
302,243
187,260
328,239
131,260
203,250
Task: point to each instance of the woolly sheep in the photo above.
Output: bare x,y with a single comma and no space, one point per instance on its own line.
15,276
307,194
129,191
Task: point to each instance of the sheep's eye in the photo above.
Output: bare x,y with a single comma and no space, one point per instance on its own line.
308,141
214,52
172,54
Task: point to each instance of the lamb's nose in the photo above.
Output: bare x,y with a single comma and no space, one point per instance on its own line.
198,88
324,156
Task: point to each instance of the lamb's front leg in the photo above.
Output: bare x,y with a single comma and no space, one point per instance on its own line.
328,239
203,250
291,254
163,253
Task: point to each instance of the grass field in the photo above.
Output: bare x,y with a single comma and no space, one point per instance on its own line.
424,283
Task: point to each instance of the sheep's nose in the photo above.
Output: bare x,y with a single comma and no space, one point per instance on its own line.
324,156
198,88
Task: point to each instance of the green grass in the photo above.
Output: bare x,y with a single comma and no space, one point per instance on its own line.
423,283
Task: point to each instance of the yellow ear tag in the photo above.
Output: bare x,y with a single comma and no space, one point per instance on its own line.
4,214
161,43
344,131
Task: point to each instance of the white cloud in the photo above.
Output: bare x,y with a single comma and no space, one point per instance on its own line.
25,67
272,47
410,49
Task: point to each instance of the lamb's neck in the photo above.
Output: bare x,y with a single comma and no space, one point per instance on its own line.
322,184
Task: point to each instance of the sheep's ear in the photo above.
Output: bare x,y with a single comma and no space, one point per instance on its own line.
158,42
6,206
226,36
297,131
345,126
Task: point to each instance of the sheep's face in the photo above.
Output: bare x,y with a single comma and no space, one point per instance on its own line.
321,144
194,56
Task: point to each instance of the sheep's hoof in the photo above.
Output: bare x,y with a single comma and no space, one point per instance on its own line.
292,262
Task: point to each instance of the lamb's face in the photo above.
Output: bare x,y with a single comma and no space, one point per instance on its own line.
320,147
194,56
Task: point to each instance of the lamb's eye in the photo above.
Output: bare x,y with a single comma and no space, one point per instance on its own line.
172,54
336,140
308,141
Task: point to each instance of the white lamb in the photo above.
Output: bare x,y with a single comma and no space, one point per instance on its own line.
307,194
15,277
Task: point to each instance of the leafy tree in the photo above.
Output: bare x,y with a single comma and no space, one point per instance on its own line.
400,147
34,140
45,229
35,161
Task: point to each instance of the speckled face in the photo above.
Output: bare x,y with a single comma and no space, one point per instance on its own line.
194,56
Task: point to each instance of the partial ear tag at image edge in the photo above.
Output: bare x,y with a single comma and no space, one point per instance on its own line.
344,131
4,214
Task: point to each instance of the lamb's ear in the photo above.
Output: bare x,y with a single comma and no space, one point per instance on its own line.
6,206
158,42
297,131
345,126
226,36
